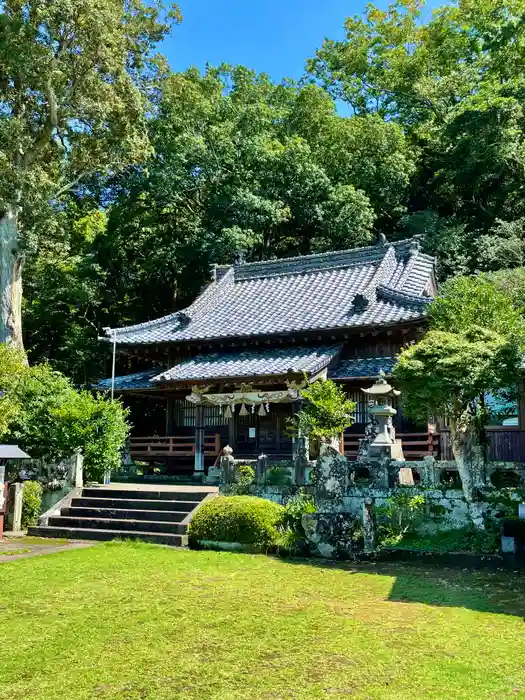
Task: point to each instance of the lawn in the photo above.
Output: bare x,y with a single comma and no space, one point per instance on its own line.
138,621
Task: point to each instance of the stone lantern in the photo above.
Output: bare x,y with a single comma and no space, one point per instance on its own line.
384,443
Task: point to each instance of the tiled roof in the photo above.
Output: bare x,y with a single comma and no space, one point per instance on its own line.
264,363
251,363
374,286
139,380
362,367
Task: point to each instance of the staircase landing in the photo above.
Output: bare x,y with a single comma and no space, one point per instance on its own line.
159,514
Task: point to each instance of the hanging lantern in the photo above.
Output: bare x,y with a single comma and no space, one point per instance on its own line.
243,411
261,410
228,412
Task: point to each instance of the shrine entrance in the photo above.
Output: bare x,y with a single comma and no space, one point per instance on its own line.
255,434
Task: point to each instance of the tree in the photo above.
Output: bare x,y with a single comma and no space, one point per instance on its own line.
325,413
454,83
466,302
474,347
75,79
43,413
244,166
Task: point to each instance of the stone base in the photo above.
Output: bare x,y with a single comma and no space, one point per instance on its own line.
214,475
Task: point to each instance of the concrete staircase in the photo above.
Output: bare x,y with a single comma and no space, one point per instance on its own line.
107,513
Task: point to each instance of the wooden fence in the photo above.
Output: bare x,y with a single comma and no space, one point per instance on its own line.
505,444
173,446
415,445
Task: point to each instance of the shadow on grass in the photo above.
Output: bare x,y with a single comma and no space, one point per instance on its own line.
483,589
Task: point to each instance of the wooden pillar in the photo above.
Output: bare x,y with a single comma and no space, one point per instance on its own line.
170,409
232,431
521,404
198,468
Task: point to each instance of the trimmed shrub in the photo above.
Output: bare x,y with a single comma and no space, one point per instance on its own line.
31,503
244,519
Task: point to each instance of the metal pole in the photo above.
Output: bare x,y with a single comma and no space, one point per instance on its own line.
114,362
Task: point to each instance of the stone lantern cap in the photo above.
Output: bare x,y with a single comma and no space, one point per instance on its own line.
381,387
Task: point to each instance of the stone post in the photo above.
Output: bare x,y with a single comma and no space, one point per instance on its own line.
331,478
429,475
301,459
76,470
369,530
260,469
13,510
227,466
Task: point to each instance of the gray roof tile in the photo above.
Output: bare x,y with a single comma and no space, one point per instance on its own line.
138,380
362,367
309,293
251,363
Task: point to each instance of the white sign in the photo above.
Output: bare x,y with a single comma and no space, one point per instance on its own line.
251,432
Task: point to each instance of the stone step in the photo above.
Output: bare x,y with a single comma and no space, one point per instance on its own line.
171,516
128,494
132,504
149,526
71,533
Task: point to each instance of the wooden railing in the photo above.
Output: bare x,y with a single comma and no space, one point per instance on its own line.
173,446
415,445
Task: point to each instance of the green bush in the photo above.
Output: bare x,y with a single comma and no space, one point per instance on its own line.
400,515
244,519
43,413
245,475
465,539
31,504
325,413
278,476
295,508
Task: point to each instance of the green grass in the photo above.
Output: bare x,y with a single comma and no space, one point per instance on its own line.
14,552
28,539
130,622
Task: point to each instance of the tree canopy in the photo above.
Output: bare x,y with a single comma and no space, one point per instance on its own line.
474,347
75,82
126,181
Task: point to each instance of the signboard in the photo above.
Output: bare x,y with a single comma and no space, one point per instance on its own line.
251,432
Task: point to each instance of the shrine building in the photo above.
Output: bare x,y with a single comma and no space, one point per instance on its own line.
227,369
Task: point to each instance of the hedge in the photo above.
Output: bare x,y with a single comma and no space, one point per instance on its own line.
31,503
244,519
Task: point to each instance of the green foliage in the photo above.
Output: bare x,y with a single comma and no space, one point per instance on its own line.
12,364
73,93
288,541
466,539
244,519
473,348
50,419
245,477
278,476
326,411
294,509
453,80
400,515
31,504
467,302
445,372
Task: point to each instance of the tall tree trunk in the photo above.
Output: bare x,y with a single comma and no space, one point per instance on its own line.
10,278
462,438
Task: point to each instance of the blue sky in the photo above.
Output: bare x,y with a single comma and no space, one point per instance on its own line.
271,36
